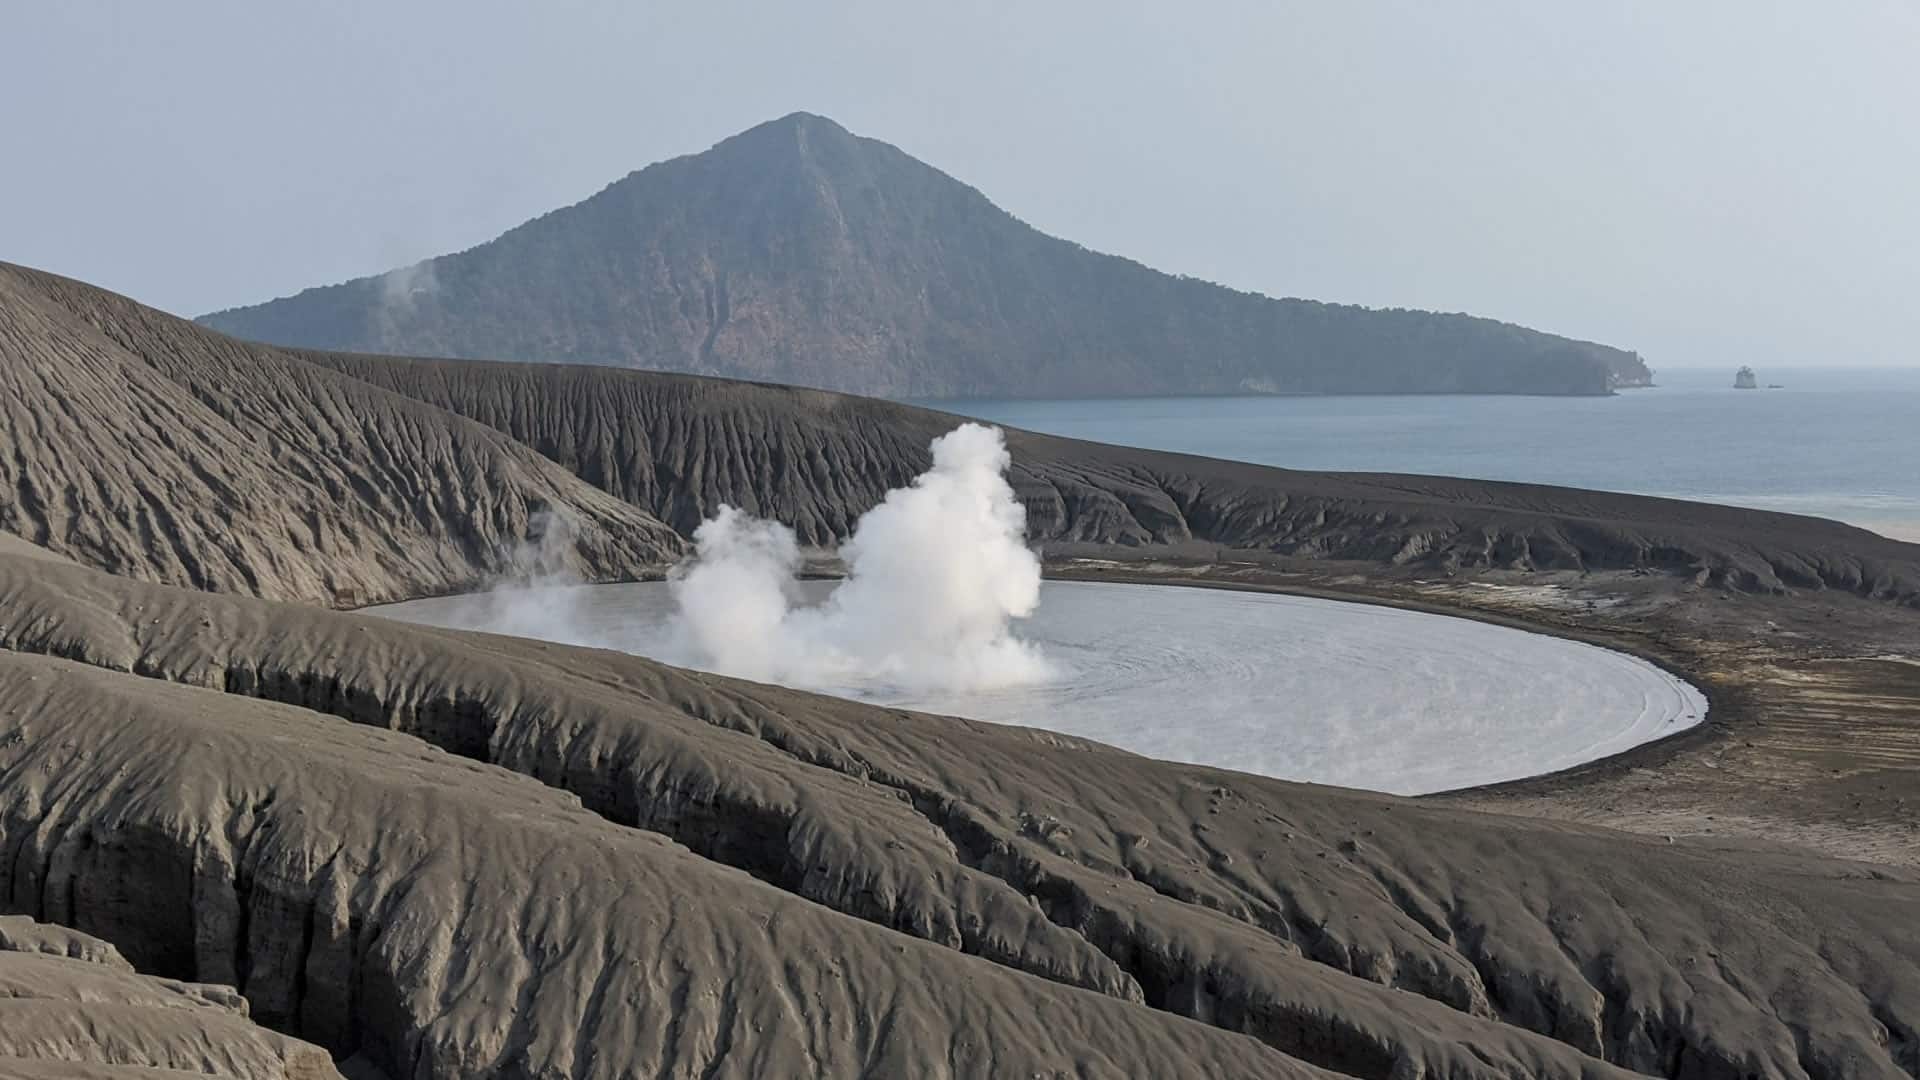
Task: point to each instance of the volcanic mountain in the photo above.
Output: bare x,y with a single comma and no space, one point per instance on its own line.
800,253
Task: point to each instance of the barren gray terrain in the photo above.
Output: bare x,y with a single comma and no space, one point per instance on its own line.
681,445
348,479
447,854
135,444
72,1008
320,850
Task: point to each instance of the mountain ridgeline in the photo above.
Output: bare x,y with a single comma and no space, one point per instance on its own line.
138,443
797,252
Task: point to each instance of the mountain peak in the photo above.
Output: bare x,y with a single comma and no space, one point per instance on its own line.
796,140
803,120
791,129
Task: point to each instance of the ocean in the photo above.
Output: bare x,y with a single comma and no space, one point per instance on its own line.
1842,443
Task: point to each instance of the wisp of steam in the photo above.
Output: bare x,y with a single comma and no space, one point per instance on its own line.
936,576
538,594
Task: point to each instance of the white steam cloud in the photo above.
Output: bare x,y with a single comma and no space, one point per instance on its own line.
936,575
538,593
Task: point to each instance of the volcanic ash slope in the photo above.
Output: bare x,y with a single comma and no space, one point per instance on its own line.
143,444
136,442
71,1008
459,854
681,446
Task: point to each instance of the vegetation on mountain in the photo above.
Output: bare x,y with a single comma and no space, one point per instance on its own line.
797,252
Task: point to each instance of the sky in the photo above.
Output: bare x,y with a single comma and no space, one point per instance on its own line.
1710,182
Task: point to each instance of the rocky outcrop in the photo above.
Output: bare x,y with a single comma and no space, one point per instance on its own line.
680,870
800,253
71,1008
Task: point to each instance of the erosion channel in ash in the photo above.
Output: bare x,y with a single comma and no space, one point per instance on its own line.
1293,687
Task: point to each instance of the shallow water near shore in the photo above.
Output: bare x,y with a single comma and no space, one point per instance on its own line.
1293,687
1841,443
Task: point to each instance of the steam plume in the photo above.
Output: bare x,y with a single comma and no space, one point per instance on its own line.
936,574
400,287
537,593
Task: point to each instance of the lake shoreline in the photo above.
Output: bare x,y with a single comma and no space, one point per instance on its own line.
1768,768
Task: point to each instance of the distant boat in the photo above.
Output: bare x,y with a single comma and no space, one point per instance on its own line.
1745,379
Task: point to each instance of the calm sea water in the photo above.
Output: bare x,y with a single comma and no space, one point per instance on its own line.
1838,443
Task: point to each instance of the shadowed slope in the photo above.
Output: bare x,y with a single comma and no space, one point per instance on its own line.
139,443
1371,935
801,253
680,446
451,920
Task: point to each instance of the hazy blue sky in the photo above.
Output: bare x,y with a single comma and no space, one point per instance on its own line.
1707,182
